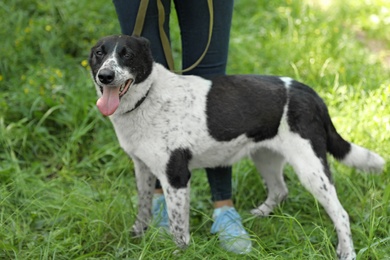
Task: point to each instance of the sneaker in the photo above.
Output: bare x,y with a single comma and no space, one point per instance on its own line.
232,235
159,212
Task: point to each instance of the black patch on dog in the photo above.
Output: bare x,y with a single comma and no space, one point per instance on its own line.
129,50
305,116
309,117
337,146
245,104
177,168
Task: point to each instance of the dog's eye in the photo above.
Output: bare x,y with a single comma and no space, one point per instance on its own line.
99,53
128,56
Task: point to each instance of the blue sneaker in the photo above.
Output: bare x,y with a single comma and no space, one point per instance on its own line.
159,212
232,235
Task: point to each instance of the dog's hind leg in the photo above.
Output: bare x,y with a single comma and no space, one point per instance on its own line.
312,172
145,186
270,166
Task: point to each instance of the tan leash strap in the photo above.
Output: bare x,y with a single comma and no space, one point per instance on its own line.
141,14
163,36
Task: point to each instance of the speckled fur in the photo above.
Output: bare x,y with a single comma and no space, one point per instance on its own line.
174,116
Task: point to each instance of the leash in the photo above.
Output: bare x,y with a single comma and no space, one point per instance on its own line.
139,24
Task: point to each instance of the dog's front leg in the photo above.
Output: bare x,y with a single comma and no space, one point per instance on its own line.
178,205
145,186
176,186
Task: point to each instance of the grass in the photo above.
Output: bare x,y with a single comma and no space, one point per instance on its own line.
67,190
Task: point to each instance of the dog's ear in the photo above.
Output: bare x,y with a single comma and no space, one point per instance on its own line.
145,42
142,40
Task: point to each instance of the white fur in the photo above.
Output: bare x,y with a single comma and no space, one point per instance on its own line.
287,81
363,159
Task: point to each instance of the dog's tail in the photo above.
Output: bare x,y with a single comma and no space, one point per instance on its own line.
351,154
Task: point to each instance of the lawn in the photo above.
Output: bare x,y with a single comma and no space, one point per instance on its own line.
67,190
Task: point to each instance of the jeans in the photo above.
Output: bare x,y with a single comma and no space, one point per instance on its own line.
193,17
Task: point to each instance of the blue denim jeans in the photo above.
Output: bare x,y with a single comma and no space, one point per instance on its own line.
193,17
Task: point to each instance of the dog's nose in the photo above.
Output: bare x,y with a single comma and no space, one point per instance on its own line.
106,76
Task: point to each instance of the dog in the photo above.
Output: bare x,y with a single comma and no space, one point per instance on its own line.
170,124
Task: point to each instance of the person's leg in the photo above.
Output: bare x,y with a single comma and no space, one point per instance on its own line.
127,13
220,180
194,26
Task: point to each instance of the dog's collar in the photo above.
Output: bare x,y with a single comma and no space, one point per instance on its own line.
138,103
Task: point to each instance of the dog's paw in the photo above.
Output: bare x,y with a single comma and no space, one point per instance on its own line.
139,228
346,254
182,240
262,211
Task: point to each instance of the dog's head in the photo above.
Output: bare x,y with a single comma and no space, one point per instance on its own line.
117,62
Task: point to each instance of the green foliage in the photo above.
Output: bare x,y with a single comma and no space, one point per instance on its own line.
67,190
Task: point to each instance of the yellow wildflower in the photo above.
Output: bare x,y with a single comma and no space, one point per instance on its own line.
59,73
84,63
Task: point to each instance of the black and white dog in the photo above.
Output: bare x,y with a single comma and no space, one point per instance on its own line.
170,124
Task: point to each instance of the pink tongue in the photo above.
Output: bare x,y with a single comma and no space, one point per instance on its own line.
109,102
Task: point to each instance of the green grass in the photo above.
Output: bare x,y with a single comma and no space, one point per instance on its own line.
67,190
